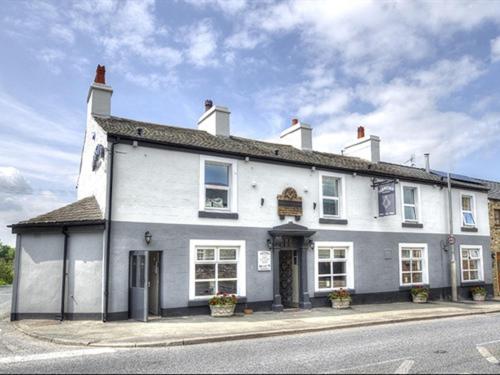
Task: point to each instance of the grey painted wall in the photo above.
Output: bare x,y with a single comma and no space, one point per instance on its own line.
376,259
39,278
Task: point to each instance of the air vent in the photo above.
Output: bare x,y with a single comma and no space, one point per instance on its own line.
140,131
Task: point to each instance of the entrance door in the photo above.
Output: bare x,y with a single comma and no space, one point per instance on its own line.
154,283
497,258
139,272
289,272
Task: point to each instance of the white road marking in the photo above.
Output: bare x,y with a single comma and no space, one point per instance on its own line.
487,355
489,342
371,364
405,367
55,355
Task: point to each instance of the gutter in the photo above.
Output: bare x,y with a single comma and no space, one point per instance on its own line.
108,232
65,256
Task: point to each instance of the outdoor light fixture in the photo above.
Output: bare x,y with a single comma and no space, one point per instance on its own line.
148,236
269,243
311,244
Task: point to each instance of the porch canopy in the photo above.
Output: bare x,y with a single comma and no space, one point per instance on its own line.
291,230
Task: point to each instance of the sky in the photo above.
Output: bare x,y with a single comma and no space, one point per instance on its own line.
423,76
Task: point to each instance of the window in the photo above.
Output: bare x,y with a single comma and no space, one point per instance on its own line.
217,267
334,268
331,196
497,217
468,210
471,263
410,202
218,184
413,264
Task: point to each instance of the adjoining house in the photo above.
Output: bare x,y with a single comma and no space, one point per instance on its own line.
168,216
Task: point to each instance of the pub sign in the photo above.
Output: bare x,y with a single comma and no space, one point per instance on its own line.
387,199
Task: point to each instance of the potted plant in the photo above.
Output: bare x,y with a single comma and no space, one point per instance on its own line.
478,293
222,304
419,294
341,299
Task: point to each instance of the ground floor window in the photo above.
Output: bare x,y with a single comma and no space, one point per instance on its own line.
217,267
413,264
333,265
471,260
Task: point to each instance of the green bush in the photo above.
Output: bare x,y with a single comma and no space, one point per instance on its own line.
6,264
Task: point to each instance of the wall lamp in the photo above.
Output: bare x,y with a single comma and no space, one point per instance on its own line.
148,236
269,243
311,244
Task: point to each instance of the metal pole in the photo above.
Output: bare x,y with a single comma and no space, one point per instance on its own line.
453,264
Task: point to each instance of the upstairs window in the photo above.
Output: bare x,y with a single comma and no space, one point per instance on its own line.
218,184
410,209
468,218
331,196
497,217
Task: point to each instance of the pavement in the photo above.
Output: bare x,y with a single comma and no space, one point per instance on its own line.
5,300
205,329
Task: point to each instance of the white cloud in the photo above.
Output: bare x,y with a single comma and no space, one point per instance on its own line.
229,7
201,43
495,49
62,33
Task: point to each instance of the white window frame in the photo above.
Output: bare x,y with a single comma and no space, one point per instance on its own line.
416,205
241,261
425,265
341,198
473,211
349,263
232,195
480,272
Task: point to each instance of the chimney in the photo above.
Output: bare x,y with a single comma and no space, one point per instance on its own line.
298,135
427,163
99,97
215,120
365,147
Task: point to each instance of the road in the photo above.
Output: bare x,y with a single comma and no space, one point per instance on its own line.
454,345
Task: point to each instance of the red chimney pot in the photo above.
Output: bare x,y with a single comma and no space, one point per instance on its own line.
295,121
100,74
361,132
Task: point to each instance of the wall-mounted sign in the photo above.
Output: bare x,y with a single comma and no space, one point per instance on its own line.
264,260
289,204
387,199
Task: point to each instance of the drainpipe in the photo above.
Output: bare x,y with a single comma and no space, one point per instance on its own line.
453,264
65,256
108,240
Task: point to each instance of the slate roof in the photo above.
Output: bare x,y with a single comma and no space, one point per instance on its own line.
84,211
494,186
201,140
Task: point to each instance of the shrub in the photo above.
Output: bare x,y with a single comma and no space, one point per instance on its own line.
341,294
223,299
420,291
478,290
6,264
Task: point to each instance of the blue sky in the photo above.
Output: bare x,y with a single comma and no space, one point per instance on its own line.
424,76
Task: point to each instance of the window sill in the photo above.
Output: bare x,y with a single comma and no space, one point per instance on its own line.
472,283
468,229
404,288
325,293
204,302
218,215
412,225
323,220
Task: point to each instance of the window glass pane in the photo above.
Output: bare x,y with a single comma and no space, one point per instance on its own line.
466,275
339,281
226,271
339,253
216,174
324,253
330,207
205,254
330,186
416,265
417,277
141,269
410,213
406,278
417,253
405,265
204,271
474,253
133,269
465,254
324,282
474,275
405,253
468,218
465,264
466,203
497,217
324,268
204,288
227,254
228,286
474,264
339,267
409,195
216,198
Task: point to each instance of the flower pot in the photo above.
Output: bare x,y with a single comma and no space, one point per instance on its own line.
222,310
419,298
247,311
479,297
341,303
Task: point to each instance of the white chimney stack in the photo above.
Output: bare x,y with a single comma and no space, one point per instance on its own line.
427,163
99,97
215,120
298,135
365,147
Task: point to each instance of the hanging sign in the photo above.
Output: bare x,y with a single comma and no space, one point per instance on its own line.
264,260
386,199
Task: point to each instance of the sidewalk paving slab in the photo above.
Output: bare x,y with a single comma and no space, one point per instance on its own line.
199,329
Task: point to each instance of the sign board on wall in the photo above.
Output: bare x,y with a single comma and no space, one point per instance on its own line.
289,204
264,260
387,199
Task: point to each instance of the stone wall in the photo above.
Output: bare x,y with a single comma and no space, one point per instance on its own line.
495,241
